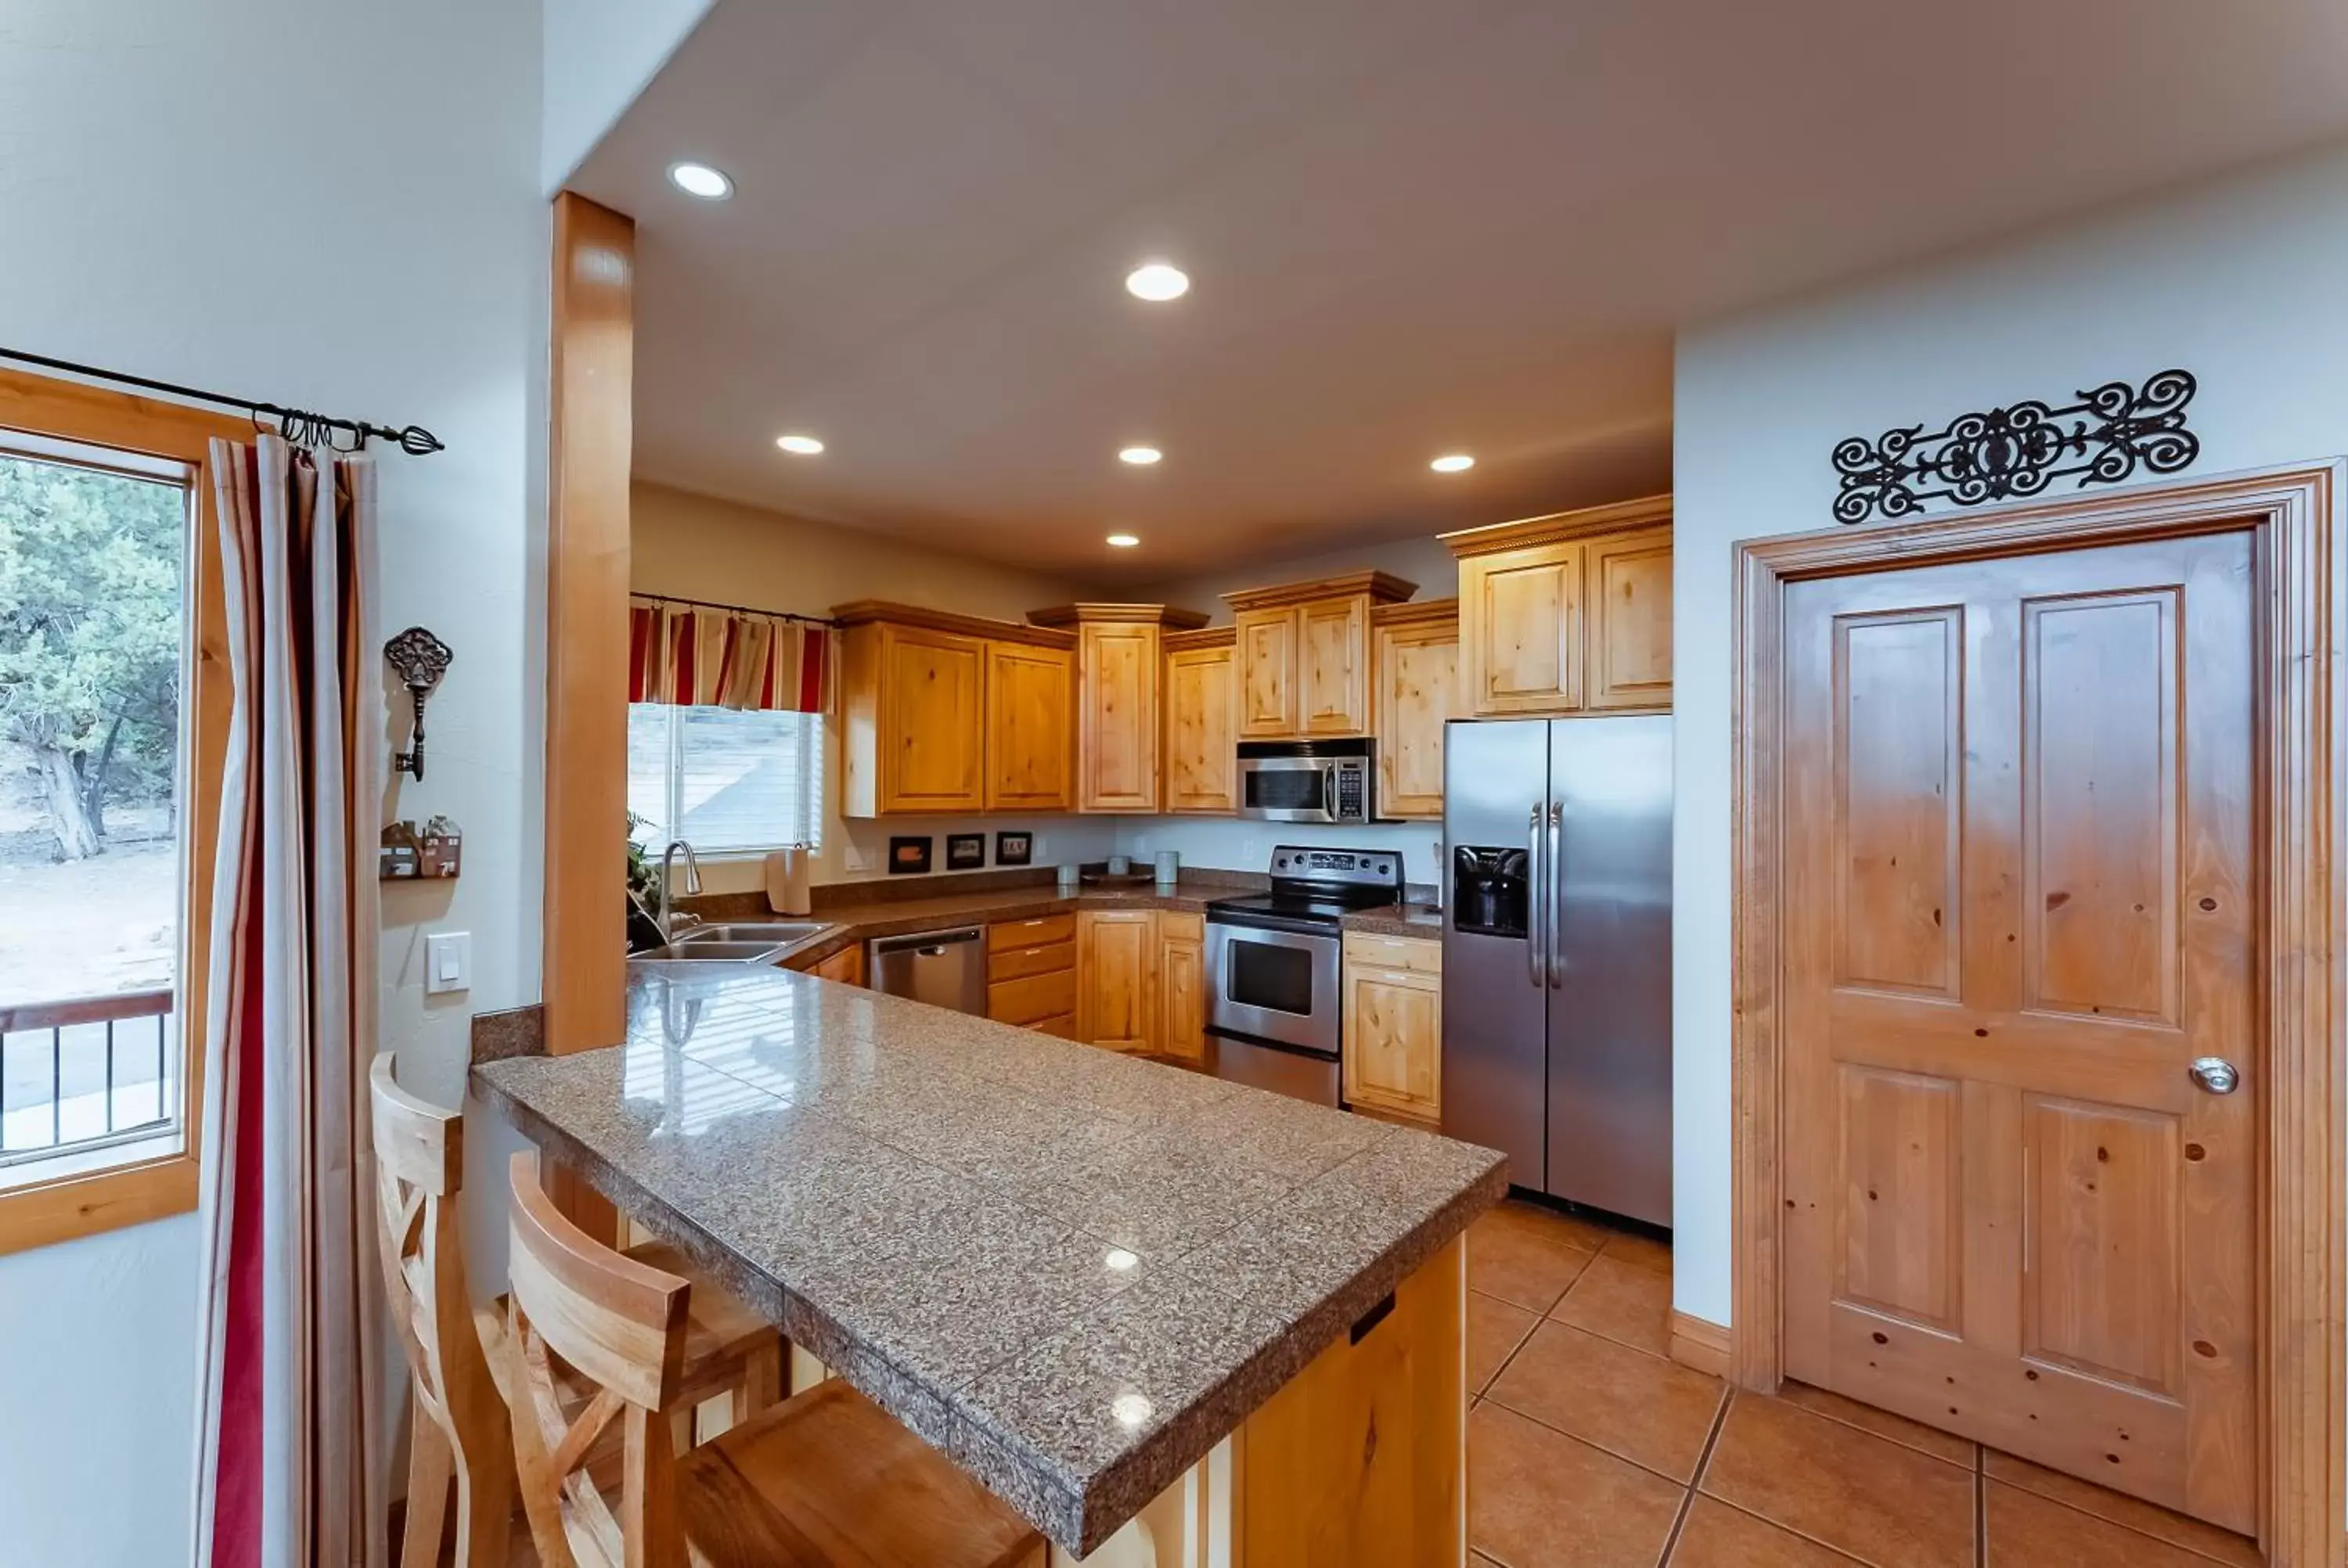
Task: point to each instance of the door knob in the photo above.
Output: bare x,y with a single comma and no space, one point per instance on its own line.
2216,1074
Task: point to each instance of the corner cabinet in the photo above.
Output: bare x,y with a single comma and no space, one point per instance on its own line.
1199,753
1119,673
1303,653
1392,1023
1568,613
944,712
1414,667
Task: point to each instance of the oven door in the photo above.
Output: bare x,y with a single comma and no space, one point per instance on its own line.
1272,985
1288,789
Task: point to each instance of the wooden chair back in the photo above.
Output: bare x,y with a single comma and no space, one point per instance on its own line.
459,1436
620,1326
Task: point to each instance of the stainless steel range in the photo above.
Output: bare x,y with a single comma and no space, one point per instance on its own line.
1273,968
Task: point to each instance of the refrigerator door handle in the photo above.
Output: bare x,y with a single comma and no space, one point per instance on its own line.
1535,897
1557,897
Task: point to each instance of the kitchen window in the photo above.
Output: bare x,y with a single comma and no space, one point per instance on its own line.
725,779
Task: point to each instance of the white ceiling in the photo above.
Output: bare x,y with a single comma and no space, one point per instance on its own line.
1414,226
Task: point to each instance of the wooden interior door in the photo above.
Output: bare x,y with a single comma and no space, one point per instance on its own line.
2020,901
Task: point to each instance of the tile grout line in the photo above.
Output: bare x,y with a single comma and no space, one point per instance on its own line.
1703,1457
1989,1480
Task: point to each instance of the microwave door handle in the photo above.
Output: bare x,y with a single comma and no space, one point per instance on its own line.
1536,895
1329,792
1557,897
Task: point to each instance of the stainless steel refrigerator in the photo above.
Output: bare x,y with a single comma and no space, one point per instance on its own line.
1557,954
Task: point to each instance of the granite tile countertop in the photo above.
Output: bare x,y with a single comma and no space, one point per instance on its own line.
1072,1271
1420,920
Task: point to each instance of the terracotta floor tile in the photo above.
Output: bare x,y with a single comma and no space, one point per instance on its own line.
1625,1302
1495,1327
1525,1254
1861,1493
1718,1536
2027,1531
1639,1407
1639,1249
1882,1423
2194,1535
1538,1499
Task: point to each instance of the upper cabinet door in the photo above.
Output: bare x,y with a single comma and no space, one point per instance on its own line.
933,726
1630,621
1267,673
1119,717
1417,671
1030,700
1520,630
1333,639
1199,743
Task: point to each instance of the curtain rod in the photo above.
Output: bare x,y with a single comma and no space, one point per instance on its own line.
740,609
295,423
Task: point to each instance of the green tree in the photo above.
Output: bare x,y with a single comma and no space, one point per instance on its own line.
90,570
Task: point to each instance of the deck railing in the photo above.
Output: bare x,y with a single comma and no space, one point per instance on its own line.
80,1074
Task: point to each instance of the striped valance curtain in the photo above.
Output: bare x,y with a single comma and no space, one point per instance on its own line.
699,656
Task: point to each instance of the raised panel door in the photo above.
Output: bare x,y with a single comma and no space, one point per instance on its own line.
1629,622
1332,639
1116,950
1181,981
1417,669
1520,630
1200,732
1266,645
1030,724
1393,1033
932,729
1117,744
2021,900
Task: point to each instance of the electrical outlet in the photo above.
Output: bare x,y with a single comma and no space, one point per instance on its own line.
1247,852
852,857
1039,851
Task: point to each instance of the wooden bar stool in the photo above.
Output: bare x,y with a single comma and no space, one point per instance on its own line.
461,1442
824,1479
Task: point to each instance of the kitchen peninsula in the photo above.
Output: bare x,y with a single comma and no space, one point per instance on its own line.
1107,1288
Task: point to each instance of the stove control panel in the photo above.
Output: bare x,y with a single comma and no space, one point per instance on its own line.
1375,869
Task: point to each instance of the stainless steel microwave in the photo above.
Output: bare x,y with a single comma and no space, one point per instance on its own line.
1307,781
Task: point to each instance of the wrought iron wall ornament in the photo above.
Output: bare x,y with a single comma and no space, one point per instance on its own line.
2103,439
420,659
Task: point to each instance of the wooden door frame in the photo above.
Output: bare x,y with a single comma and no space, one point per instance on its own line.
2295,518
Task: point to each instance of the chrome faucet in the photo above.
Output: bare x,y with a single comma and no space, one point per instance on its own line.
668,883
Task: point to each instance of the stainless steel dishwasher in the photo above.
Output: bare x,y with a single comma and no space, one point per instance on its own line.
945,968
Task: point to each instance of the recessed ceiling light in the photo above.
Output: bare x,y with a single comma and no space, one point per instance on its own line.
1124,541
700,179
802,445
1453,463
1156,280
1143,456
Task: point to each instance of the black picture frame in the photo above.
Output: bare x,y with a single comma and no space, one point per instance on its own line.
908,856
1014,846
965,851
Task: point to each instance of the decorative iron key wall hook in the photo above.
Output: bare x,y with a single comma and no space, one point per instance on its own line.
420,659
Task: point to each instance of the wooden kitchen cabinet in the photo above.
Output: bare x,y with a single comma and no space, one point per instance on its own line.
1117,951
1200,729
846,966
1031,973
1031,695
1119,673
1392,1019
1567,614
1414,665
943,713
1302,654
1181,985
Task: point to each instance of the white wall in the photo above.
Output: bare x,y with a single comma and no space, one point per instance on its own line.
599,56
692,546
326,205
2238,281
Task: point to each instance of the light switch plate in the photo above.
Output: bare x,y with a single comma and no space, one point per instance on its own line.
449,961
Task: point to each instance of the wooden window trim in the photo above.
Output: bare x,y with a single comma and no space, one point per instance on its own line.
2296,520
40,1213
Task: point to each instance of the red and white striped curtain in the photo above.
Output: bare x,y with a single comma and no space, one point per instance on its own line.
290,1469
696,656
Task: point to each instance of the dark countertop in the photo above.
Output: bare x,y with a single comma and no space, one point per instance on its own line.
1420,920
1072,1271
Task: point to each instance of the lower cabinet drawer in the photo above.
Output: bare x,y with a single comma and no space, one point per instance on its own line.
1031,997
1004,935
1012,963
1065,1026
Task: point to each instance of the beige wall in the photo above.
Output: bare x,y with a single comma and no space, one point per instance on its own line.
693,546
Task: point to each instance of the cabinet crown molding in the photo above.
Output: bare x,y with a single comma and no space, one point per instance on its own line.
1165,615
1223,636
869,611
1417,612
1557,527
1383,588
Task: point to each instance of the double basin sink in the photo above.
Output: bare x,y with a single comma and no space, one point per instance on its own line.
737,942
